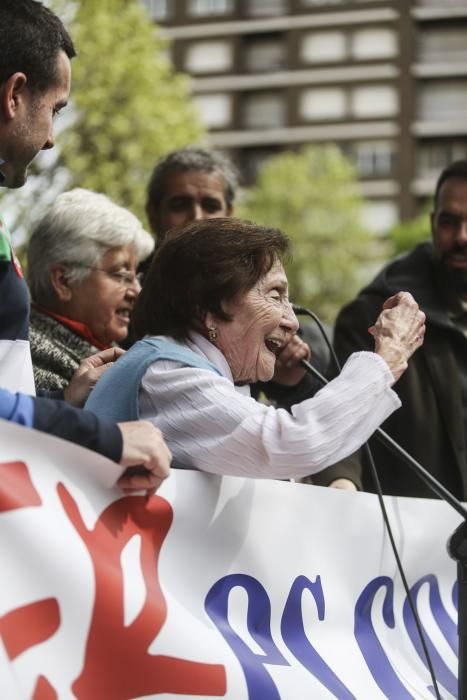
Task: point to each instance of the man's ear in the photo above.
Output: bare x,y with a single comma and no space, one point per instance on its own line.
11,93
60,283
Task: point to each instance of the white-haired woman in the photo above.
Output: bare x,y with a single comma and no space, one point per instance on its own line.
82,261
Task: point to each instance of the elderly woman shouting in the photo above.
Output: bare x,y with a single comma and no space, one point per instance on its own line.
214,314
82,260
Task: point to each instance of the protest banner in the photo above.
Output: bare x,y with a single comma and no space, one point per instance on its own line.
243,589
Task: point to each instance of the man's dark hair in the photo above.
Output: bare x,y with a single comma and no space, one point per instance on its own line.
200,266
31,37
187,159
456,170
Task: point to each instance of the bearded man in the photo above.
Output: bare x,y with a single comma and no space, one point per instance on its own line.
432,423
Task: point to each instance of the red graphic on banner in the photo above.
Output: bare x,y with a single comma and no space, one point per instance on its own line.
117,663
29,625
17,490
43,690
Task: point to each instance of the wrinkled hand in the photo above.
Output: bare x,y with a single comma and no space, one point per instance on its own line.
146,455
398,331
288,369
344,484
87,374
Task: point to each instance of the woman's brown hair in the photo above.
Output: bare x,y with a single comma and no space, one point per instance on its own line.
199,267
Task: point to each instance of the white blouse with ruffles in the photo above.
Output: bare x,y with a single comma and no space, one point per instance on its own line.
213,425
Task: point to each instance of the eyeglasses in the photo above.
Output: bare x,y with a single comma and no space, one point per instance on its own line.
123,279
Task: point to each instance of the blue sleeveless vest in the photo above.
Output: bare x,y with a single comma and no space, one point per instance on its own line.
115,395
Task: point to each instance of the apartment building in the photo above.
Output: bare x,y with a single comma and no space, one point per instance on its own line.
384,79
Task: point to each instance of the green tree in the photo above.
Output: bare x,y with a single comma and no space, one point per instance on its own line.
131,107
128,107
313,196
406,234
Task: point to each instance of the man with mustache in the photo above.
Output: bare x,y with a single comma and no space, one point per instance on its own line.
432,423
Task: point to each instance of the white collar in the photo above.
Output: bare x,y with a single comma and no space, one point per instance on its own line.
198,343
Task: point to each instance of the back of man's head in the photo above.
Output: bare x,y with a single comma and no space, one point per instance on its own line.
192,160
31,36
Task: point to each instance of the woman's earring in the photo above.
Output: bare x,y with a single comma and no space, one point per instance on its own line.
212,333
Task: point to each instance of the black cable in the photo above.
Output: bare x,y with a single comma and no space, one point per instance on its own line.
301,310
379,492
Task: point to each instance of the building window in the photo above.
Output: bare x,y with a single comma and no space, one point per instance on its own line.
208,57
374,158
442,102
253,159
204,8
264,111
324,3
266,8
320,3
157,9
434,157
317,104
444,3
370,44
323,47
380,216
374,101
265,55
215,110
442,45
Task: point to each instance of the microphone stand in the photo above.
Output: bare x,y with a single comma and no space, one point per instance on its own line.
457,544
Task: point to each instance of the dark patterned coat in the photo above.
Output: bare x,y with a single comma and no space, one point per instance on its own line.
56,351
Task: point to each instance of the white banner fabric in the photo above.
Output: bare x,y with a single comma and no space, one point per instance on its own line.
215,587
16,367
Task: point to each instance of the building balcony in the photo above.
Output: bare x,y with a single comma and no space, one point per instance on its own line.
430,10
453,68
318,76
303,134
262,25
424,185
456,125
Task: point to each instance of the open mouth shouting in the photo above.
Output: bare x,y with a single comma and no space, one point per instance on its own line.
274,345
124,314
